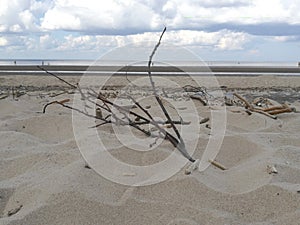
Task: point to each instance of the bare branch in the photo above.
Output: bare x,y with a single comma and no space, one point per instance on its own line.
181,145
54,75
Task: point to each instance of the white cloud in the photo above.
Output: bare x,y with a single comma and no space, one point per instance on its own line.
232,41
134,16
3,41
222,40
21,16
93,15
284,38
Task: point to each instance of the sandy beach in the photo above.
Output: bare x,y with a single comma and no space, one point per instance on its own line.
44,178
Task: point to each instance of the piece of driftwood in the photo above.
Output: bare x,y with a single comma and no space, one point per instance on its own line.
264,113
99,113
14,211
217,164
204,120
260,101
271,169
274,108
3,96
279,111
192,167
270,112
199,98
248,112
248,105
62,102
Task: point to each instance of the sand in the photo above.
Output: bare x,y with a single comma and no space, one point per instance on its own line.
44,180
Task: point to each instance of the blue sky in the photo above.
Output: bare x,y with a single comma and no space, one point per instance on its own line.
240,30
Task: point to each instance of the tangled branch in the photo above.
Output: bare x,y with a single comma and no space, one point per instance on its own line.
144,117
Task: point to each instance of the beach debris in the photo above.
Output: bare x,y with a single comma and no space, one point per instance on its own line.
57,94
204,120
271,169
265,109
98,113
217,164
87,166
298,191
280,109
129,174
207,126
182,108
235,111
62,102
248,112
168,125
14,211
3,96
229,101
192,167
200,98
262,102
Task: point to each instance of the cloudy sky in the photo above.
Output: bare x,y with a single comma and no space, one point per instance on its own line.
255,30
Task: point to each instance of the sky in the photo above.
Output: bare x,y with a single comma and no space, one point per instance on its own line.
226,30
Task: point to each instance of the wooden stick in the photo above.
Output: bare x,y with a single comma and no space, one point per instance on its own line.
216,164
243,100
197,97
180,143
264,113
274,108
279,111
55,102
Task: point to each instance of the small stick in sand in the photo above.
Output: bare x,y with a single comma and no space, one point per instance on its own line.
216,164
197,97
129,174
271,169
14,211
264,113
204,120
243,100
87,166
192,167
279,111
55,102
248,112
274,108
3,96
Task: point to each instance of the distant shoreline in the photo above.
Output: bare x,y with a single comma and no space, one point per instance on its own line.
203,70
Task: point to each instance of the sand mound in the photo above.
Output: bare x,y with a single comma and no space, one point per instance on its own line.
241,122
49,128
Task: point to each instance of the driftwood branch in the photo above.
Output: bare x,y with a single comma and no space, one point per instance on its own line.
198,97
57,77
270,112
180,143
130,118
55,102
